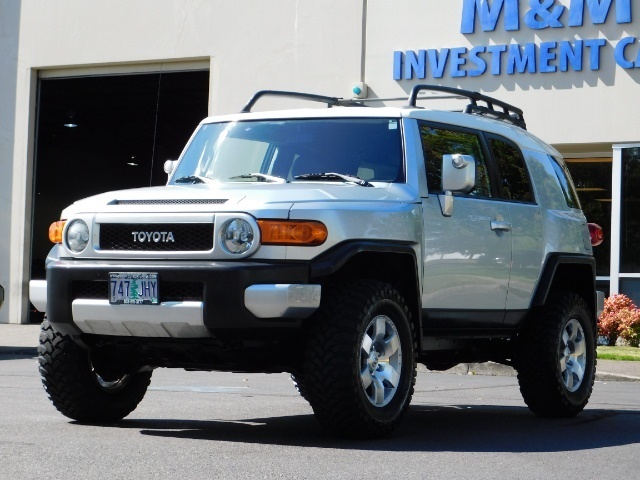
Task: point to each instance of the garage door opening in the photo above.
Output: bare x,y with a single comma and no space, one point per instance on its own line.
101,133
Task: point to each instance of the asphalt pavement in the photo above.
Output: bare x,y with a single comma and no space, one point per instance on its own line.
22,339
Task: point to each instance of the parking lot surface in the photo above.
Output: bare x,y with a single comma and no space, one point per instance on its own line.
225,425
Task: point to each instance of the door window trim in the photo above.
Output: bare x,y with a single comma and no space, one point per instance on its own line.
490,164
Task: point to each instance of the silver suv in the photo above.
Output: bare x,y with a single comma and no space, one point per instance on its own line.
343,245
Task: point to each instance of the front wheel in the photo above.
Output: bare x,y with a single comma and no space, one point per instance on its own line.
557,357
360,362
75,387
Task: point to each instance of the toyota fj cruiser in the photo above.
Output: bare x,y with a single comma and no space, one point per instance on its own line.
342,245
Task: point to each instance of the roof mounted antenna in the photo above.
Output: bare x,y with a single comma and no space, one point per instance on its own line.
330,101
508,113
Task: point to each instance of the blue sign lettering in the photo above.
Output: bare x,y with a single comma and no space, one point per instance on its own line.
533,57
571,55
458,60
475,58
518,59
598,11
397,65
415,63
620,51
547,55
541,14
594,46
438,62
489,15
496,57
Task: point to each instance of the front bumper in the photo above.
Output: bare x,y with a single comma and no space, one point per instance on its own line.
232,297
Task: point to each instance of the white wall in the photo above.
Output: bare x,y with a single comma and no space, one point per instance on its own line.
252,44
9,31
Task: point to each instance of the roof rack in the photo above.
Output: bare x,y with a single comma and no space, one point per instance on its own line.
509,113
330,101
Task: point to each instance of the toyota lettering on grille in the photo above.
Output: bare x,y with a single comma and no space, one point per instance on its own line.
157,237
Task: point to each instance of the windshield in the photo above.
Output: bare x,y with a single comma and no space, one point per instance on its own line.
268,151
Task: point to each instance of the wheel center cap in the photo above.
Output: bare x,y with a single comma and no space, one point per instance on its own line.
373,360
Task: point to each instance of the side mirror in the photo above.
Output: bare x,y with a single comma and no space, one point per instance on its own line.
458,175
170,166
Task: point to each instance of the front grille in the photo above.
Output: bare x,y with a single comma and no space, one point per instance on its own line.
156,237
169,291
193,201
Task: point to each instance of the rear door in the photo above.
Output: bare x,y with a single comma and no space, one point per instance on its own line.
516,191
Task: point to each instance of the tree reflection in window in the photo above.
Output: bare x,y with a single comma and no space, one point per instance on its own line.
513,172
437,142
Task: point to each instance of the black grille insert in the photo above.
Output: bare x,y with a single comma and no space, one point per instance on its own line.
156,237
169,291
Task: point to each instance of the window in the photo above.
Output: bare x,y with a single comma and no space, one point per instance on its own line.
592,179
514,178
629,218
368,148
437,142
568,190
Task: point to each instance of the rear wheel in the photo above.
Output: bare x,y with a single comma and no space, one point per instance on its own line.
76,388
557,357
360,362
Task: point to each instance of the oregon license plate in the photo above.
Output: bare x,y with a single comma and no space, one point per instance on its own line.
133,288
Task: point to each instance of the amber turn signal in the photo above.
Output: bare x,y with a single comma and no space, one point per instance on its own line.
55,231
292,232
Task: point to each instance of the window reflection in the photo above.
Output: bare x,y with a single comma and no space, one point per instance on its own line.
592,179
437,142
630,216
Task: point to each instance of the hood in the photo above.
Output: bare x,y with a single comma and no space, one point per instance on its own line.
245,197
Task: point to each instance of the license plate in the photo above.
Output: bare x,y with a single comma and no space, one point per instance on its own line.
133,288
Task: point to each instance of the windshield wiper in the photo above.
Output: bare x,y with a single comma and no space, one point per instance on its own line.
192,179
262,177
334,176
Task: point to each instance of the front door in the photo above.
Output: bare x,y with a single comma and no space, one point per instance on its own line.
467,256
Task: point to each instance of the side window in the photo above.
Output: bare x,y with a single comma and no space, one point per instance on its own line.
437,142
568,190
513,171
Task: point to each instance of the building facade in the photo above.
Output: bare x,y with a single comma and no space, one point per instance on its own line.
96,95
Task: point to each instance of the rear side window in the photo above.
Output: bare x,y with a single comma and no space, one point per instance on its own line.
437,142
514,177
566,184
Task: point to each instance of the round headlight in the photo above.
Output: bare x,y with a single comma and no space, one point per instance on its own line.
77,236
237,236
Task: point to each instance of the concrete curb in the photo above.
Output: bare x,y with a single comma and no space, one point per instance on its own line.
28,351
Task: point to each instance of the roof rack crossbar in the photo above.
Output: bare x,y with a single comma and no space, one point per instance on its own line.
509,113
330,101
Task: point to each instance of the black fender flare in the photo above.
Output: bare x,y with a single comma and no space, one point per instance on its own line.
553,264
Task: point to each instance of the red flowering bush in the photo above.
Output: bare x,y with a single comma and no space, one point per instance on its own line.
620,318
630,326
